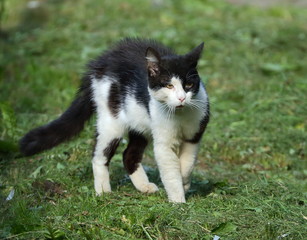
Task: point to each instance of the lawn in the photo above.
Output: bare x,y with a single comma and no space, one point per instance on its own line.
250,181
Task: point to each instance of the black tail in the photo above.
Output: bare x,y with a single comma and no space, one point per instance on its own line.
69,124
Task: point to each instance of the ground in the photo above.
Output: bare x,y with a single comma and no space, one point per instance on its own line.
250,181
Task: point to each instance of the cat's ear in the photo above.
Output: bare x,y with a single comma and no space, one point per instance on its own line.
153,59
193,56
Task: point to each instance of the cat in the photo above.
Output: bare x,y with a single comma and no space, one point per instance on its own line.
143,89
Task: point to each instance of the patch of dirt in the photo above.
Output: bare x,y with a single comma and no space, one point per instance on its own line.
48,187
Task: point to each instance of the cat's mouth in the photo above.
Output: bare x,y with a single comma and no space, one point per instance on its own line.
180,106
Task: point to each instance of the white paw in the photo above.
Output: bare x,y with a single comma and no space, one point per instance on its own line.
102,192
149,188
177,199
100,189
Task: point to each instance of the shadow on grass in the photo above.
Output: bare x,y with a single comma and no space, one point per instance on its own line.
200,188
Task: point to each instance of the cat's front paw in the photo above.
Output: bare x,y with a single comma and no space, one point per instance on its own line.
149,188
100,189
100,193
177,199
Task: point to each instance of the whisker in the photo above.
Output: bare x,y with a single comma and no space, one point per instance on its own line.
163,108
172,112
197,106
198,100
167,110
169,114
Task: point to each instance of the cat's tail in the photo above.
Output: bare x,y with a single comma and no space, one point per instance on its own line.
69,124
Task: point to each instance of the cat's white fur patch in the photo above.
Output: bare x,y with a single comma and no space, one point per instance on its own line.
171,96
140,181
179,92
108,129
152,59
135,115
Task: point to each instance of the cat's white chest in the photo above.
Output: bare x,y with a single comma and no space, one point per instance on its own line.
188,123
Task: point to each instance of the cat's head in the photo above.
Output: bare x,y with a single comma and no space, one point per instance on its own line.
173,80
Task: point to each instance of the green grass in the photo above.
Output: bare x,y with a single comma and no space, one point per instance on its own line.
250,182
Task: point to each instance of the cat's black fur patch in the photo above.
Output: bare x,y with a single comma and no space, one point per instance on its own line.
134,151
202,127
126,62
114,100
192,77
110,150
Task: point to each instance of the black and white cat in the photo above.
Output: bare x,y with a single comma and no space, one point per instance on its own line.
143,89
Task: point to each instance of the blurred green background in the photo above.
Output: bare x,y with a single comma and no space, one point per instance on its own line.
250,182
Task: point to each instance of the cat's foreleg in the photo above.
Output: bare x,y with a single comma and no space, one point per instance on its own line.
132,162
109,136
188,153
169,167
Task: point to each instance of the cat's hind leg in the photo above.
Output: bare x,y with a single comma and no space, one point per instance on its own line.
109,136
132,161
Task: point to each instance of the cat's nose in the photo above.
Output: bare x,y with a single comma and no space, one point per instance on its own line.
181,99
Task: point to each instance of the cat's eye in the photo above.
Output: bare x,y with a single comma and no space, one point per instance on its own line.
189,85
169,86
